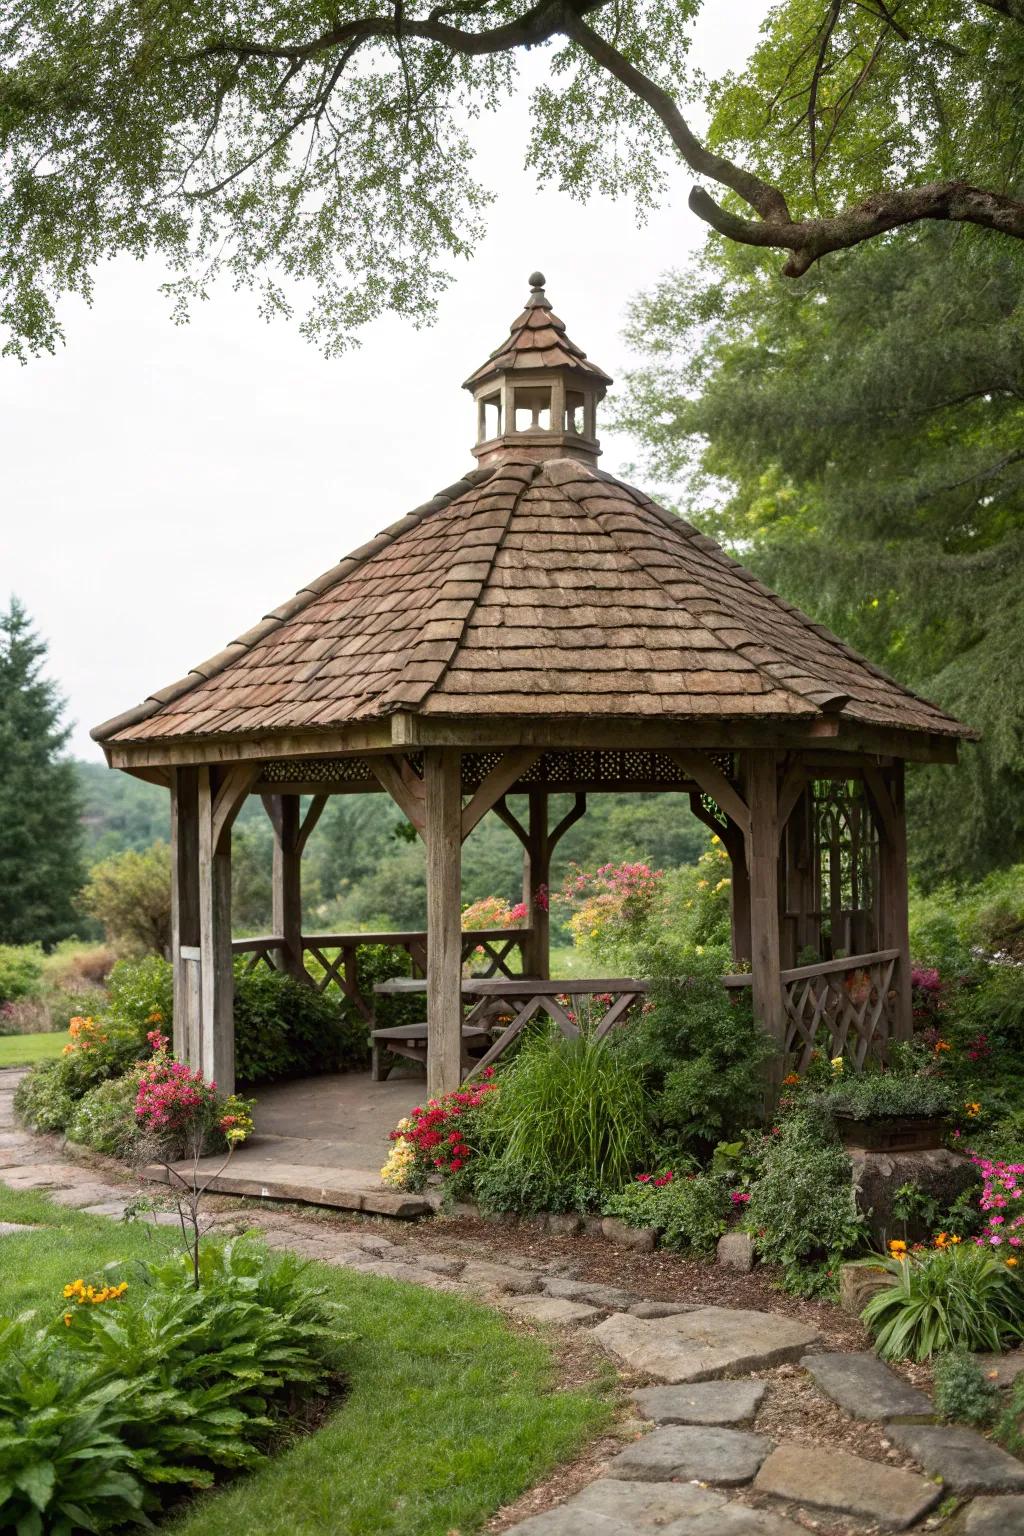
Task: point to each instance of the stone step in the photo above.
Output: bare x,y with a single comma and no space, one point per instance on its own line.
334,1187
866,1387
846,1485
965,1460
997,1516
691,1452
722,1403
705,1343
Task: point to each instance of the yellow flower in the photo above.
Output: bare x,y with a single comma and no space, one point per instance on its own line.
941,1240
972,1110
67,1319
1012,1263
702,885
715,839
837,1063
897,1245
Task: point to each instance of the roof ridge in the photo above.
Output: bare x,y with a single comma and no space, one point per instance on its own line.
306,595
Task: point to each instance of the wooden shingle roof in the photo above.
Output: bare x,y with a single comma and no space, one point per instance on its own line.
537,339
530,590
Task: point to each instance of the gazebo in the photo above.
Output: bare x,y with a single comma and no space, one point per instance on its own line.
540,628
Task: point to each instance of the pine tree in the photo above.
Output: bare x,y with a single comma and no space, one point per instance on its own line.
40,833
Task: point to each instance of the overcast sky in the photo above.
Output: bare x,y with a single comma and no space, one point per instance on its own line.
164,487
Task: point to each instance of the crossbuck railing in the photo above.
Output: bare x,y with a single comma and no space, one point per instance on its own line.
849,1000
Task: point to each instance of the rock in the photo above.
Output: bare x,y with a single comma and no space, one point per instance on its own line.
848,1485
78,1196
878,1175
865,1387
439,1266
995,1517
737,1519
703,1402
114,1209
609,1507
616,1231
1003,1370
965,1460
736,1251
693,1452
661,1308
12,1228
592,1225
564,1223
704,1343
480,1276
550,1309
610,1297
858,1283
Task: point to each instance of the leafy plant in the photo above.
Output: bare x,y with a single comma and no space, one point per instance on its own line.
286,1029
873,1095
21,971
951,1297
104,1118
962,1394
690,1211
801,1210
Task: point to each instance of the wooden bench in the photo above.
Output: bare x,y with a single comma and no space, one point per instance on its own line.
410,1040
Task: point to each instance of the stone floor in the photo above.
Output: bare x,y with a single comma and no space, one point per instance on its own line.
693,1461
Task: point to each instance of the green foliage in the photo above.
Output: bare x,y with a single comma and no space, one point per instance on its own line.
120,811
689,1211
700,1052
104,1117
961,1297
1010,1424
949,923
165,1385
286,1029
865,458
962,1394
140,993
569,1114
801,1210
129,894
39,833
502,1184
21,971
42,1100
877,1095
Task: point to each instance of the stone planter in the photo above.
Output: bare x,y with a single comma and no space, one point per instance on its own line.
893,1133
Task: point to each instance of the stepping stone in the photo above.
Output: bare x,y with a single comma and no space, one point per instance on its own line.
736,1251
481,1276
704,1343
865,1387
1001,1369
704,1402
661,1308
12,1228
610,1297
965,1460
846,1485
609,1507
78,1196
550,1309
736,1519
693,1452
995,1517
115,1209
441,1266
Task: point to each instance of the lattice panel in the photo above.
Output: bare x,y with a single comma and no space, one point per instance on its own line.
317,770
840,1013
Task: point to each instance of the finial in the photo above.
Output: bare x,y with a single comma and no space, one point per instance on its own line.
538,298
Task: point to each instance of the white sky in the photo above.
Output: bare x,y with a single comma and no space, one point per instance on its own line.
164,487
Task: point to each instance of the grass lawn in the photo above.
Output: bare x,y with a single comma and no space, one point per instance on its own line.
449,1415
569,962
23,1050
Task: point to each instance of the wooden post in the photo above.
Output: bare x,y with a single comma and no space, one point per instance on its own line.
537,873
442,771
893,925
217,1022
283,811
185,912
761,782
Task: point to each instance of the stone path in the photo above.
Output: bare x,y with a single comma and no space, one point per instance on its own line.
702,1469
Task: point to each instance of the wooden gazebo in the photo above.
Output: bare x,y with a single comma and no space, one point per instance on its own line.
538,628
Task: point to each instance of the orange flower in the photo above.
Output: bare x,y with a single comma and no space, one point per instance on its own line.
1011,1263
792,1080
897,1245
942,1045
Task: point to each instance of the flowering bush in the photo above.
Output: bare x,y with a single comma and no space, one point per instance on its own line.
1002,1201
85,1035
612,907
951,1296
492,912
437,1138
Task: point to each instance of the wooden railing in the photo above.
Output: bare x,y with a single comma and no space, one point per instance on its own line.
839,1006
504,1008
330,959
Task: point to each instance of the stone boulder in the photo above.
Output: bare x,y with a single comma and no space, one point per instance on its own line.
940,1173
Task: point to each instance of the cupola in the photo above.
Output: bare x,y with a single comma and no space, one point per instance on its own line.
537,394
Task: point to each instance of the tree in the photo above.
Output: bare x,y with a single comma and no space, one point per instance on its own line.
289,142
865,456
40,837
130,894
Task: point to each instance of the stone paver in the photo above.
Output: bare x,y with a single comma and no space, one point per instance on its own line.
661,1308
728,1457
836,1481
703,1402
114,1208
502,1278
866,1387
965,1460
1002,1369
550,1309
611,1297
736,1519
79,1196
995,1516
705,1343
611,1507
12,1228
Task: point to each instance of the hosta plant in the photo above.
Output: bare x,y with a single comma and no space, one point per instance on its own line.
957,1296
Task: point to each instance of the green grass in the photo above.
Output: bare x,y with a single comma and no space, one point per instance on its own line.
449,1415
23,1050
569,962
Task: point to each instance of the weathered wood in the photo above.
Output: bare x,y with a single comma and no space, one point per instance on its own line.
514,763
735,846
286,882
536,883
185,909
217,1024
713,782
232,788
405,787
888,799
760,775
443,834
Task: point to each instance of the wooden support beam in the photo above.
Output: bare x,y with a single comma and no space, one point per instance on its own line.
185,912
218,804
713,782
231,793
735,845
511,821
405,787
442,779
887,795
761,785
571,817
309,821
536,880
496,784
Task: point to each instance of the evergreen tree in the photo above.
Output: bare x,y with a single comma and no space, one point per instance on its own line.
40,831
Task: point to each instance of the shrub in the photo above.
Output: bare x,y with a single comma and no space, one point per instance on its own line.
801,1210
500,1185
690,1211
441,1137
21,971
1010,1424
141,993
957,1296
962,1394
42,1100
569,1111
871,1095
284,1028
130,894
104,1118
699,1050
73,966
